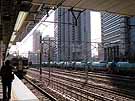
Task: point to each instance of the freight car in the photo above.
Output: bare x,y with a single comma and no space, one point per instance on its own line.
124,68
98,66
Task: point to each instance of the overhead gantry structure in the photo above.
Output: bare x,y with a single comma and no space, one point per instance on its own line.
123,7
8,14
18,17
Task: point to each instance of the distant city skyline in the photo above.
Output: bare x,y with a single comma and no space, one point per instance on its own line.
47,28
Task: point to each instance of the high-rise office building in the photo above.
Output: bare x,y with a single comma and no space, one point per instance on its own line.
72,39
48,49
34,56
116,36
131,27
36,41
100,52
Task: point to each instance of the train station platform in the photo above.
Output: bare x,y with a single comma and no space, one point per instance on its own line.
19,91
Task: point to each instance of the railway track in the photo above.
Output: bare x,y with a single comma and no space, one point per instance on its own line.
118,80
112,82
101,91
115,80
123,85
74,93
38,91
104,75
52,94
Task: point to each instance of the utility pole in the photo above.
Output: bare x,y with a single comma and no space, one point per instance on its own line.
40,55
49,59
86,61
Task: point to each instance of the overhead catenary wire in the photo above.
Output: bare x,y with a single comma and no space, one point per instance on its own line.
66,46
58,5
73,6
58,22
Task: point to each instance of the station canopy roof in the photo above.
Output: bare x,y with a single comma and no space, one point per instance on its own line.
123,7
38,8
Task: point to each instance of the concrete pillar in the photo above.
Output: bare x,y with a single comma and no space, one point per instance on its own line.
2,50
105,54
0,55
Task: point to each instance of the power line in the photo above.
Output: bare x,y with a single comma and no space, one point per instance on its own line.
58,22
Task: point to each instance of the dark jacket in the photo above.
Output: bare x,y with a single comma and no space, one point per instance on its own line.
6,73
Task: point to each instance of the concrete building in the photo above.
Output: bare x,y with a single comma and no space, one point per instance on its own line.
117,34
114,35
48,49
100,52
131,26
36,41
72,39
34,56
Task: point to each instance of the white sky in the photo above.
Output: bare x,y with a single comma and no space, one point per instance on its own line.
95,27
48,29
27,43
95,31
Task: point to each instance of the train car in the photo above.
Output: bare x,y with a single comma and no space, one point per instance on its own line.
98,66
44,64
52,64
77,65
81,65
20,64
69,65
60,64
108,67
125,68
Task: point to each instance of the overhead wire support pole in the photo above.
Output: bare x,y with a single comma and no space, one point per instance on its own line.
49,61
48,42
41,55
60,3
76,17
56,22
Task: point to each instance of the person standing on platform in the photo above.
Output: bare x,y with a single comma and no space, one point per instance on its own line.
7,75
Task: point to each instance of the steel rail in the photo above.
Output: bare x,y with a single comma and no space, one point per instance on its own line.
41,90
113,91
71,88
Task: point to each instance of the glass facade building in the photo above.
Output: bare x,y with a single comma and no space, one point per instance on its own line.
114,36
72,40
118,37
